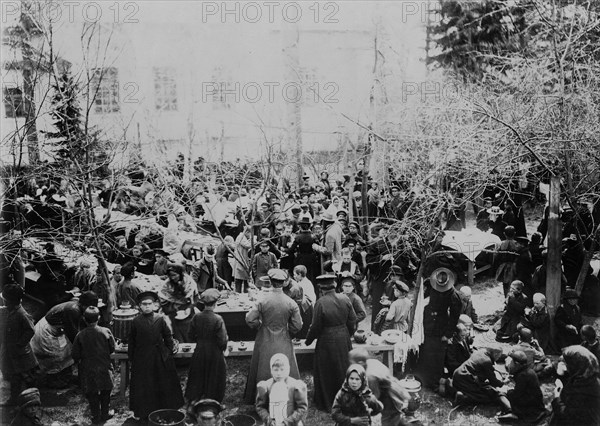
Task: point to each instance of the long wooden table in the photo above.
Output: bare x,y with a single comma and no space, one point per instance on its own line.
123,359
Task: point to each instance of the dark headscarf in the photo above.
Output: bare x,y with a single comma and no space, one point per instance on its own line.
581,363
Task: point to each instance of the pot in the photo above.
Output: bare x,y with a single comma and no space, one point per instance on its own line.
360,336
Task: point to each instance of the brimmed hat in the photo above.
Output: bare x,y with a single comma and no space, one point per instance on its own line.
355,223
210,296
305,219
570,294
29,397
145,295
495,210
327,217
12,292
326,282
206,409
342,212
442,279
296,209
161,252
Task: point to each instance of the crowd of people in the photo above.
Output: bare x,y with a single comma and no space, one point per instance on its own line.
314,272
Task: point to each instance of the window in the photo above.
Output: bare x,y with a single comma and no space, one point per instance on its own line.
310,86
13,102
165,89
223,90
105,88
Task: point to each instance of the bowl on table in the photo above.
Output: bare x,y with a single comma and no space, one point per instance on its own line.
297,342
185,348
391,336
242,346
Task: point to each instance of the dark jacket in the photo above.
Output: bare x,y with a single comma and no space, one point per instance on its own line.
539,323
348,404
92,348
207,276
457,352
526,399
16,328
567,315
577,404
68,316
441,314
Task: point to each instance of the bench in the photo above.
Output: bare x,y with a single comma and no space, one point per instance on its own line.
122,358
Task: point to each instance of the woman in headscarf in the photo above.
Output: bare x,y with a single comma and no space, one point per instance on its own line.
577,402
355,404
177,299
281,400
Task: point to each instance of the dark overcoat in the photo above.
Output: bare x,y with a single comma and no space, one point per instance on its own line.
154,381
92,348
16,355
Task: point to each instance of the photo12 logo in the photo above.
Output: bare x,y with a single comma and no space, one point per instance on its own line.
269,91
269,12
124,12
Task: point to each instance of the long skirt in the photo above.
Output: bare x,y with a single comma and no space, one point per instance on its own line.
208,373
51,347
331,363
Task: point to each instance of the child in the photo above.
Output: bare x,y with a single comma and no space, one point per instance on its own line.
355,403
92,348
281,400
526,399
400,308
538,321
348,286
29,409
263,261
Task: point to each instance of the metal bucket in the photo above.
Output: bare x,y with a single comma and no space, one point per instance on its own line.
166,418
122,320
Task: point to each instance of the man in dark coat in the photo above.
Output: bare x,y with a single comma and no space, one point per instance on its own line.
475,380
17,360
333,323
526,399
92,348
277,318
206,274
154,380
568,320
459,349
440,318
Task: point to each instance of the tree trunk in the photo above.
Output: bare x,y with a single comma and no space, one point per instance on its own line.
554,271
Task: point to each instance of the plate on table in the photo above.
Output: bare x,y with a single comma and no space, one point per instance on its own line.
391,336
481,327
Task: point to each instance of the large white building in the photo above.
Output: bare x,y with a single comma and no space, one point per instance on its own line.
219,79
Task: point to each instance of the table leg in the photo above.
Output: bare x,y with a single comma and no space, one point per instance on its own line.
390,361
471,273
124,370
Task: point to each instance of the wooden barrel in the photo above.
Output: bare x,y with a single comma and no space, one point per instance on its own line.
122,320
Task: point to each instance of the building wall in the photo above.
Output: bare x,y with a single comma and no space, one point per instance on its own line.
338,57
